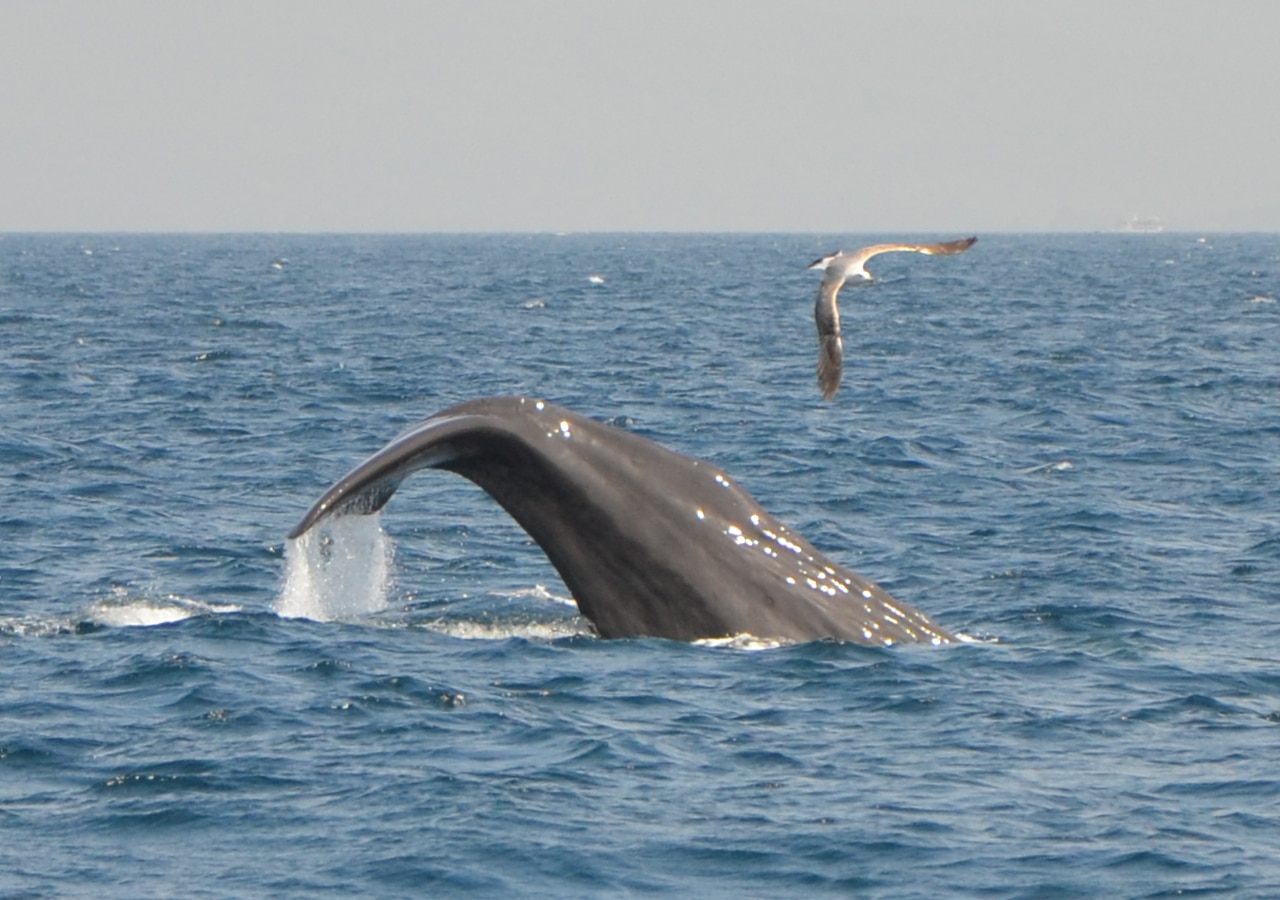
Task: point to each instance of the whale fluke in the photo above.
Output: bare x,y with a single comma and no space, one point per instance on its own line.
648,541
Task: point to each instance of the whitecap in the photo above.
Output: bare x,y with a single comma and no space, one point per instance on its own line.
536,630
743,642
122,611
538,592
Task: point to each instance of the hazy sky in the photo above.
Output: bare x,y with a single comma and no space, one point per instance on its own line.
587,115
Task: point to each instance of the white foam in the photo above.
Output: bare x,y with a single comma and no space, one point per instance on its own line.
120,610
340,569
469,629
34,626
976,639
743,642
1062,465
144,612
538,592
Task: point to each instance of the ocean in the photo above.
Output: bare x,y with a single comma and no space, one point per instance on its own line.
1066,447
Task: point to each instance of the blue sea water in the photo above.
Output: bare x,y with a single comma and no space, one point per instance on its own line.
1066,446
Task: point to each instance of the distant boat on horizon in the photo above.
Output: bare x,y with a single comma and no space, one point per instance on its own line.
1144,224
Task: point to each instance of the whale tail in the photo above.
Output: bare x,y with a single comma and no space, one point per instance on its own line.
648,541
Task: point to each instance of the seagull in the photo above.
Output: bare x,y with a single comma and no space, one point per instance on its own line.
838,268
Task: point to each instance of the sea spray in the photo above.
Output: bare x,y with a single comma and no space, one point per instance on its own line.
339,569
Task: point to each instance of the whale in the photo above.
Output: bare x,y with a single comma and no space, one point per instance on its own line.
649,542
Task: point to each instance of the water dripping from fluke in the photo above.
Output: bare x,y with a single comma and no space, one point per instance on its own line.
339,571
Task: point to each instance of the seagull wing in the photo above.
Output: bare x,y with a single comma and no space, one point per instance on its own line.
826,315
946,248
858,258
